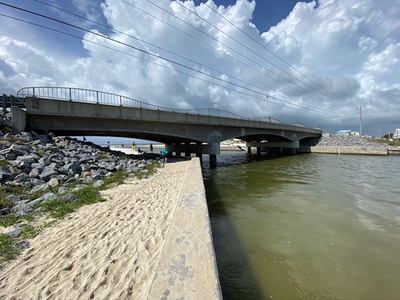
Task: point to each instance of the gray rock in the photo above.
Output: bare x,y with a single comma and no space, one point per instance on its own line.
36,181
46,175
12,199
11,156
95,173
62,190
4,211
44,161
87,179
49,197
85,167
21,149
79,187
106,165
73,167
5,173
34,173
22,177
98,183
22,245
21,206
14,233
69,198
39,188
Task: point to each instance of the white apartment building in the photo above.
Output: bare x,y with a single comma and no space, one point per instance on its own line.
396,134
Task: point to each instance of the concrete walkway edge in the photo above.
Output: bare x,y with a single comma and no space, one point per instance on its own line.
188,268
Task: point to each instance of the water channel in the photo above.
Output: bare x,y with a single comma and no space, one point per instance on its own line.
306,226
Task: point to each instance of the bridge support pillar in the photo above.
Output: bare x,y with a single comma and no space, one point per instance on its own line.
213,161
248,150
18,119
4,103
200,156
258,150
187,149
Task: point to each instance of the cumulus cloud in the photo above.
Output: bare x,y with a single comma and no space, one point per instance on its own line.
315,67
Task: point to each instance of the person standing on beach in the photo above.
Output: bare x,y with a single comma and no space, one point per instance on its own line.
133,146
164,154
151,148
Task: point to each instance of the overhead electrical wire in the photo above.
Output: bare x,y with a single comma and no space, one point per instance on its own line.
148,43
286,81
263,46
246,47
141,50
149,61
158,47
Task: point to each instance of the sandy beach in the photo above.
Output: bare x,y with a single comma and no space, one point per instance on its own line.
108,250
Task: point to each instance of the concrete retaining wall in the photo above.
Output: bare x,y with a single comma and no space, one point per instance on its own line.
188,268
348,150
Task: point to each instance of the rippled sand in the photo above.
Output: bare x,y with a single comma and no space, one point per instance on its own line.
108,250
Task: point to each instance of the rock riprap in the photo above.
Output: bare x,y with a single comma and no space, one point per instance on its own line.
39,163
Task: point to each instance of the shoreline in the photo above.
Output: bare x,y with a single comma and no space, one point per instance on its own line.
107,250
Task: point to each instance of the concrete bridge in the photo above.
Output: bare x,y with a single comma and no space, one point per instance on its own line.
72,112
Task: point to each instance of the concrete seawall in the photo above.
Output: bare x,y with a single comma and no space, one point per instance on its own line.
348,150
188,268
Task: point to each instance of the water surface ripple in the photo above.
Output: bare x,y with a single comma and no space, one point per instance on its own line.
306,226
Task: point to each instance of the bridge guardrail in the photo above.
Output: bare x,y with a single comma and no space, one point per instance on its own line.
99,97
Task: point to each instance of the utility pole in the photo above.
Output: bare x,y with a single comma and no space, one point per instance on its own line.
360,108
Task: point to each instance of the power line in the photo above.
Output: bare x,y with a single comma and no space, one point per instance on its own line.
243,45
164,66
235,51
272,53
102,36
148,43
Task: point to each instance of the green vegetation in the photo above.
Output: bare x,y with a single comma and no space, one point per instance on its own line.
7,249
55,209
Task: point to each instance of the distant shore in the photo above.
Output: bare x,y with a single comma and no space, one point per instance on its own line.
159,147
342,144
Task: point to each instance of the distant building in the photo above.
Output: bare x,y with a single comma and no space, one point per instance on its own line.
396,134
348,132
343,132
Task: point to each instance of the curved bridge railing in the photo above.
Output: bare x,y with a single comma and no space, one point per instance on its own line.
93,96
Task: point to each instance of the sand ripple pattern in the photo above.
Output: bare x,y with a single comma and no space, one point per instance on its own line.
108,250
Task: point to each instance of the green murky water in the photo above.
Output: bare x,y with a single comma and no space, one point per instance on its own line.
307,226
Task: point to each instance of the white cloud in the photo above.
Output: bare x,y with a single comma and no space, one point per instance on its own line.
349,49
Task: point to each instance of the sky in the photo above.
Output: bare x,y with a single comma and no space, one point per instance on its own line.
318,63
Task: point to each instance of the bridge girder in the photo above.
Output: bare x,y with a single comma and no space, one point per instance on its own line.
74,118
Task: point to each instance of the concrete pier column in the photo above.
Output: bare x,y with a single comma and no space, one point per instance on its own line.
4,103
248,150
213,161
187,149
200,156
258,150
